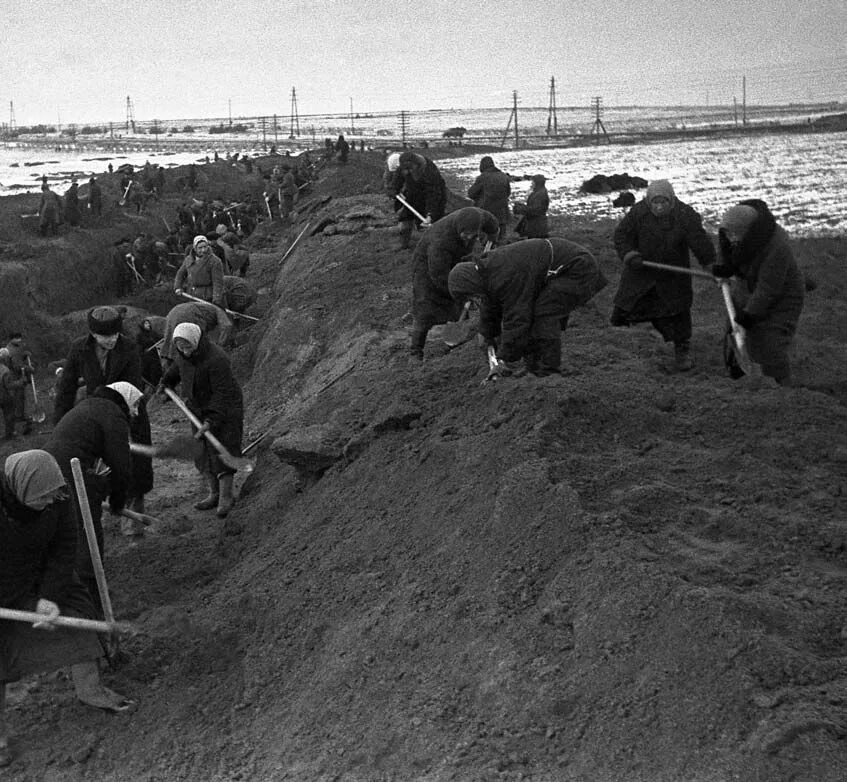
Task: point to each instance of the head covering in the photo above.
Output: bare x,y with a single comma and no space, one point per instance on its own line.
465,281
738,219
408,158
190,332
486,163
32,474
128,391
105,321
199,239
538,179
393,161
220,229
660,187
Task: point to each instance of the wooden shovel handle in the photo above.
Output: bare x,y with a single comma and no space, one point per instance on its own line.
95,626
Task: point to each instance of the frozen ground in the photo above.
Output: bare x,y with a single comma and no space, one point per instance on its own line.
803,178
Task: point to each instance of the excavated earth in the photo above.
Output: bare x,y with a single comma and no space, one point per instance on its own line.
621,573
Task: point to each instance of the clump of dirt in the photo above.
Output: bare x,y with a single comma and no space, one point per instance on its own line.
619,573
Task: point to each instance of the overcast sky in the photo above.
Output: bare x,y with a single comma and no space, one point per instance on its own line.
78,60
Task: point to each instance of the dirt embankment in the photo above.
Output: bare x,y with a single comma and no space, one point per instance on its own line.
620,573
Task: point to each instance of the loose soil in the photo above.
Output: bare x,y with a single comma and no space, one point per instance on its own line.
618,574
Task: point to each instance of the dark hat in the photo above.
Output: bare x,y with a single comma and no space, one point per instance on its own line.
486,163
104,321
538,179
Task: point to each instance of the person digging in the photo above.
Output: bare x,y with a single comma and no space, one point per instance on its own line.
214,396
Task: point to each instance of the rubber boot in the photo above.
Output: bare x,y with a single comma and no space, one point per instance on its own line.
418,342
406,234
211,500
682,360
226,500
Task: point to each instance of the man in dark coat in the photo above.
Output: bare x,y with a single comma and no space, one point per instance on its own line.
19,363
49,211
526,292
72,204
490,191
660,229
421,184
97,428
441,248
212,393
342,149
95,197
533,223
768,289
102,357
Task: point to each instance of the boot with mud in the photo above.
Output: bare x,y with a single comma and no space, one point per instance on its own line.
682,360
211,500
226,500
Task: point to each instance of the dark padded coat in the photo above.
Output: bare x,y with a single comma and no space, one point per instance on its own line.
524,300
428,194
669,240
490,191
534,224
440,249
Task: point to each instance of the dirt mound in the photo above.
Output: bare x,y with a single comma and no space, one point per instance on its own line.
620,573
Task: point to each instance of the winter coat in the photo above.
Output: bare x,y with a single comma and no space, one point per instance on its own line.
770,287
524,300
211,392
669,240
96,428
49,209
533,223
491,191
440,249
203,278
72,205
207,316
428,194
37,551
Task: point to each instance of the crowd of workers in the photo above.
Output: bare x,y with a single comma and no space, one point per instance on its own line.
525,284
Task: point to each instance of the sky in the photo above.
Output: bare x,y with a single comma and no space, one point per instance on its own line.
79,61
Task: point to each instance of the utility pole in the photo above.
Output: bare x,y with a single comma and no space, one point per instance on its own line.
512,117
597,108
230,113
130,115
11,116
552,119
735,110
263,121
744,101
404,126
295,115
352,124
276,125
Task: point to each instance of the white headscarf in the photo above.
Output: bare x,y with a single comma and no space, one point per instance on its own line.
190,332
129,392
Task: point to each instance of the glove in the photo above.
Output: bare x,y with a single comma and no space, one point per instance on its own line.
723,271
50,611
178,291
745,319
634,260
204,428
427,223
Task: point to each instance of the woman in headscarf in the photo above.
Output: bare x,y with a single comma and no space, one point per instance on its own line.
37,549
768,290
660,229
212,393
201,274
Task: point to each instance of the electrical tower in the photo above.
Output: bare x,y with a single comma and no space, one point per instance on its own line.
512,117
11,116
130,115
295,115
598,127
552,119
404,126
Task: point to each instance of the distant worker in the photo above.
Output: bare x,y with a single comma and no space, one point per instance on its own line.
289,192
662,229
201,273
533,213
49,211
19,361
240,293
342,149
768,289
490,191
444,245
72,204
212,393
421,184
95,197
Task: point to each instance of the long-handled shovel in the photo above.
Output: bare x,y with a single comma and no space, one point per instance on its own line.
96,561
458,332
77,623
143,518
232,313
402,199
234,462
677,269
294,243
739,335
38,414
493,365
122,202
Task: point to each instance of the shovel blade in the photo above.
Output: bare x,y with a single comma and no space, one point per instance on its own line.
457,333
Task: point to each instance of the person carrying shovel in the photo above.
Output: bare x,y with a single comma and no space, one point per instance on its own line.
37,549
660,229
214,397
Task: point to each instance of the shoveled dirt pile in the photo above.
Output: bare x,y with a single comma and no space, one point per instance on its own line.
620,573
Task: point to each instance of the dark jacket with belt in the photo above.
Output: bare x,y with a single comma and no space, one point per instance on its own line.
530,280
669,240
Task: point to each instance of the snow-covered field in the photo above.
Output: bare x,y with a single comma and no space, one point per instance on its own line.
802,177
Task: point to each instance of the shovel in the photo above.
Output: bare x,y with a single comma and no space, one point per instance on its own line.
677,269
231,313
294,243
458,332
402,199
38,414
233,462
739,336
493,365
74,622
179,448
122,202
143,518
96,561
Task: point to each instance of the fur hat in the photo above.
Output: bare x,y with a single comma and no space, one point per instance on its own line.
465,281
104,321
